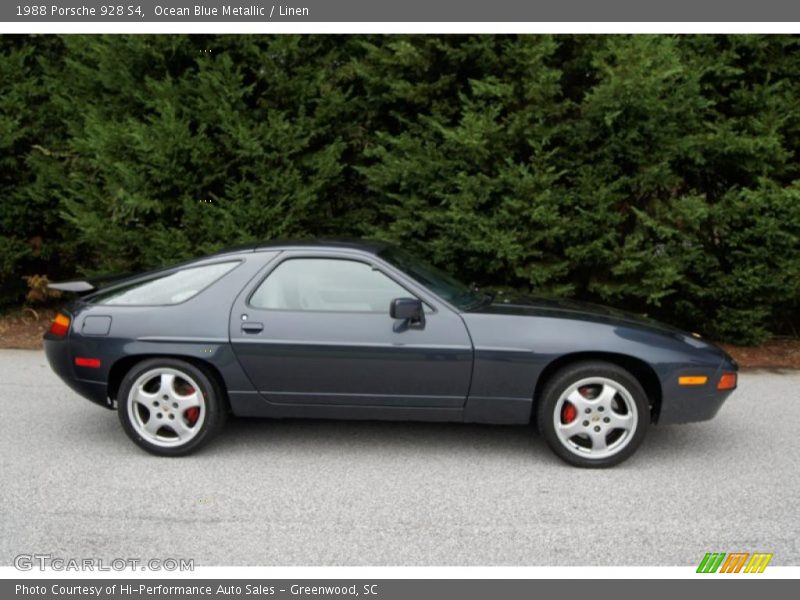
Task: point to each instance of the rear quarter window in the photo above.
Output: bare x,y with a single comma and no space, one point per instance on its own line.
173,288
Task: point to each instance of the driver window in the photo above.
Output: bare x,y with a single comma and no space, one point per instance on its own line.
324,284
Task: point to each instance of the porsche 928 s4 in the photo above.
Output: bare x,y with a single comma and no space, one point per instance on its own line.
364,330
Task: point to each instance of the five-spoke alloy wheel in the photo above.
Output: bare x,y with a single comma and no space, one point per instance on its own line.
169,407
593,414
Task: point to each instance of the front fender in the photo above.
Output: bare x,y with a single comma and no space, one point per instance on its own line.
512,352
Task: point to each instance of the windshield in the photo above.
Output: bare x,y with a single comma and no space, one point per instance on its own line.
442,284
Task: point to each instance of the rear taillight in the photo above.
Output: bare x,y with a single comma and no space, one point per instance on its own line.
727,381
60,325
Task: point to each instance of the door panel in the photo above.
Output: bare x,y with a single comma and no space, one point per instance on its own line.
350,357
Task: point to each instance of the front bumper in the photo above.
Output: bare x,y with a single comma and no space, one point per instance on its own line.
682,404
690,410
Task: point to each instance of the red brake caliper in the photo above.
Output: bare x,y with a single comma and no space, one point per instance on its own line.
193,412
568,413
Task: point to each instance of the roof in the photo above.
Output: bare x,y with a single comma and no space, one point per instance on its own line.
370,246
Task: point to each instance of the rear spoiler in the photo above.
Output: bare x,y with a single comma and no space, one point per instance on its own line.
83,286
77,287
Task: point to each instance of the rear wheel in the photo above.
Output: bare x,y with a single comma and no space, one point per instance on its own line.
593,414
169,407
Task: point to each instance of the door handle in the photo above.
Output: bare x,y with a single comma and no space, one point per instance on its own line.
252,327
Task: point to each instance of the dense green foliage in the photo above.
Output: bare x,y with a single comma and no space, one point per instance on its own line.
656,173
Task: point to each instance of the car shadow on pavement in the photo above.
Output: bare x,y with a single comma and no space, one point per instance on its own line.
663,443
411,438
398,436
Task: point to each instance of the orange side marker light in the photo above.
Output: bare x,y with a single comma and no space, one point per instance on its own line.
727,381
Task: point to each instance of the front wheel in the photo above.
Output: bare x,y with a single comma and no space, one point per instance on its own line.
169,407
593,414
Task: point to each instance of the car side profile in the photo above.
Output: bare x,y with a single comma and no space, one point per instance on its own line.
364,330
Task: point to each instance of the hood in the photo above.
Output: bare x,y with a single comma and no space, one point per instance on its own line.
560,308
520,304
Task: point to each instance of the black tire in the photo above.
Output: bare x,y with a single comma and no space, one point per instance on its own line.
571,450
212,409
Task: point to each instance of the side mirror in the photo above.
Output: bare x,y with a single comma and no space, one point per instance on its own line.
409,310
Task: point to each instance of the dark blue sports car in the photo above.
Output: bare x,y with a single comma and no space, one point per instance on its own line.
364,330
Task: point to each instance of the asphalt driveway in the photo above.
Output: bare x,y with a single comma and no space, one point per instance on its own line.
361,493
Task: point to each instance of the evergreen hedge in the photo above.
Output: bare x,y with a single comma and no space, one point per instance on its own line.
656,173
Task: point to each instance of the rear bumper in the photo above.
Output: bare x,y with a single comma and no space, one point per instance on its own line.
60,359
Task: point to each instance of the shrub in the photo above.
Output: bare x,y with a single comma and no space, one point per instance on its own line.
657,173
